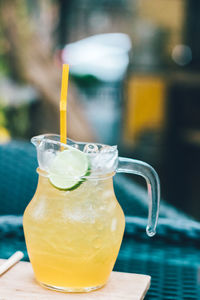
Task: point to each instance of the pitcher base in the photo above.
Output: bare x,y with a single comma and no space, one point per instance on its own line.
71,290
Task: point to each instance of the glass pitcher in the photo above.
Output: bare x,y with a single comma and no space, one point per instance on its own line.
73,237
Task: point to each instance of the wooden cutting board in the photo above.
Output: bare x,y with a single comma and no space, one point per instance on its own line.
18,283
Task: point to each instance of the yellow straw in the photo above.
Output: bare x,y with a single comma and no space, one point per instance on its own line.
63,104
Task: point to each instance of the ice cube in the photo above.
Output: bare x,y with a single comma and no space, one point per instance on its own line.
91,148
106,148
46,158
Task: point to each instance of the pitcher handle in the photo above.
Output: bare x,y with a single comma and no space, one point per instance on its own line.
133,166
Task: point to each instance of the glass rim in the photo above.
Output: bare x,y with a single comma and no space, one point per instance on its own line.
55,139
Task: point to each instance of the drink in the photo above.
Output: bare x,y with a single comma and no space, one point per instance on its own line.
74,225
73,237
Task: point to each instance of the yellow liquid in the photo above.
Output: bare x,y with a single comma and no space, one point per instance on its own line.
73,238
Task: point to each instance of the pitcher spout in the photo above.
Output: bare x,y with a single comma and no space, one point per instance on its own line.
48,138
36,140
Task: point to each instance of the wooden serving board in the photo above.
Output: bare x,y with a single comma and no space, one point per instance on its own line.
18,283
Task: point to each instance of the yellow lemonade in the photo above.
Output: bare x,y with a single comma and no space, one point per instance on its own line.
73,237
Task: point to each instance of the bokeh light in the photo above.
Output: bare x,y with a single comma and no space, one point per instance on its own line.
182,55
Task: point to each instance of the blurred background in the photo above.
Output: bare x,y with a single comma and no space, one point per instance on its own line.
134,80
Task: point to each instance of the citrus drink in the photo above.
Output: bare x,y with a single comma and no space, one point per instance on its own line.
73,237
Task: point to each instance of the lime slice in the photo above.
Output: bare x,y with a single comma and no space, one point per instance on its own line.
67,169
